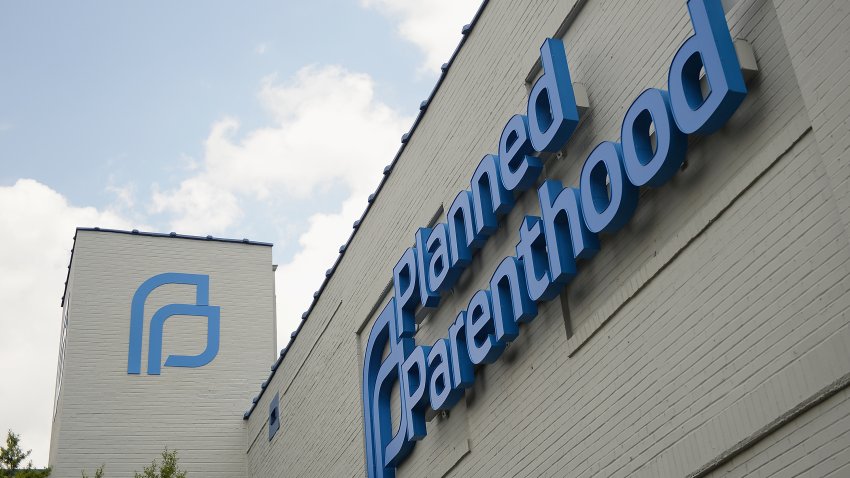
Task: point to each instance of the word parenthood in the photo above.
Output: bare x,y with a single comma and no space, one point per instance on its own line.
436,376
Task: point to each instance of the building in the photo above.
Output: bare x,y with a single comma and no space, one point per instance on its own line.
116,404
702,332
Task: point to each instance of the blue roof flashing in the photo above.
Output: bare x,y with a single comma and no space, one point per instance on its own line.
136,232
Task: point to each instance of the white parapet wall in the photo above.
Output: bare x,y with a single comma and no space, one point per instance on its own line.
105,415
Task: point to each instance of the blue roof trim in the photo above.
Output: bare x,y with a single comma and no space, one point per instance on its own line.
423,108
136,232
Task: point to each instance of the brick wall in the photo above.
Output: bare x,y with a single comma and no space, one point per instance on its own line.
105,415
712,326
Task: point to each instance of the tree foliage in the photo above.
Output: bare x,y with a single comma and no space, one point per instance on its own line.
30,472
11,457
98,473
168,469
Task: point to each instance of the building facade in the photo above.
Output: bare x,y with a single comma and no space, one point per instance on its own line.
690,164
127,387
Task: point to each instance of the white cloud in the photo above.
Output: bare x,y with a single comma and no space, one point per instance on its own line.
125,194
261,48
38,228
433,25
199,206
329,137
329,131
297,280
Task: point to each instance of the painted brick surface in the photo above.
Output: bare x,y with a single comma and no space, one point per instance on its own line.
106,416
818,37
815,445
719,309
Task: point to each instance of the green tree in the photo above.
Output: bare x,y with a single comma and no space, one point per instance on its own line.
11,457
30,472
168,469
98,473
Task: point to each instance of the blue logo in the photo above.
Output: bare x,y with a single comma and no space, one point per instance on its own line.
436,376
200,308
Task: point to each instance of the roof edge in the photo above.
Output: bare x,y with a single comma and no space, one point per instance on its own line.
423,108
136,232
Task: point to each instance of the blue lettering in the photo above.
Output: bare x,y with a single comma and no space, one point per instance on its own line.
552,111
462,237
440,275
519,170
462,373
489,197
378,379
532,251
549,245
415,386
511,304
643,165
428,297
442,392
710,49
606,207
481,331
406,292
567,236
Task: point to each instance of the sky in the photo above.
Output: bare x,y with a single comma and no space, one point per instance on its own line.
267,120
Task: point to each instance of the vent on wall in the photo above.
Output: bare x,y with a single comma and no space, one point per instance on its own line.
274,416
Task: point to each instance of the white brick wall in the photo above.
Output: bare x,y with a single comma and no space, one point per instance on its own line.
106,416
815,444
818,35
720,309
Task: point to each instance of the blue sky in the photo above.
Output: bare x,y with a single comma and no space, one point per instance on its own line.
266,120
116,92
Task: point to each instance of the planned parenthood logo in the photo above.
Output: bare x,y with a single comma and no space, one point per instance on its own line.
200,308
